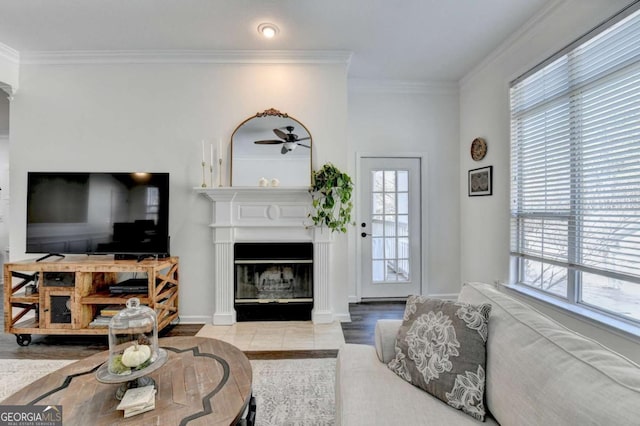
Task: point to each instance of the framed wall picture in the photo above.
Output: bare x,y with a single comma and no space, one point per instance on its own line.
481,181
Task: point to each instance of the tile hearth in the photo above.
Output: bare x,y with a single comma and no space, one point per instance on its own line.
277,335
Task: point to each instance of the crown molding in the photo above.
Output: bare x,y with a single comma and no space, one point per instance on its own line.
9,54
186,57
10,91
511,41
444,87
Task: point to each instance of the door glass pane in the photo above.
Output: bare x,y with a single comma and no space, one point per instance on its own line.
389,203
403,180
403,203
377,177
377,248
403,248
403,268
403,225
389,180
392,267
378,204
390,248
390,231
390,226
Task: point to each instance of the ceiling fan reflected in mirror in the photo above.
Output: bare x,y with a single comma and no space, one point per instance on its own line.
289,140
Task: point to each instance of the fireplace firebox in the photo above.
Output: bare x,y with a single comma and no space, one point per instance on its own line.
273,281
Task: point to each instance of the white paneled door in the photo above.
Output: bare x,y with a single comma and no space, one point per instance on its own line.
390,227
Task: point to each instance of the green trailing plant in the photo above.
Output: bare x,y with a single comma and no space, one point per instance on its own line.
331,192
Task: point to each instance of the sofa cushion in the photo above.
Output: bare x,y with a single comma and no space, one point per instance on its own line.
385,335
541,373
368,393
440,348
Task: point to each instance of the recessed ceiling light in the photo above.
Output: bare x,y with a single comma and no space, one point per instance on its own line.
268,30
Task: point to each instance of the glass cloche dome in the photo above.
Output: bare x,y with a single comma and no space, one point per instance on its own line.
133,339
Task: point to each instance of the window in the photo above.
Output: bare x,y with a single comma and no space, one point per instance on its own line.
390,226
575,170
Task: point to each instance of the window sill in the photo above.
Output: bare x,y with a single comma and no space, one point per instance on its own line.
591,317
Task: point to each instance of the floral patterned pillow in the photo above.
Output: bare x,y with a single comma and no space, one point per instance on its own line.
441,348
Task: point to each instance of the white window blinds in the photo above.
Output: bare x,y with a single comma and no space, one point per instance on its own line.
575,159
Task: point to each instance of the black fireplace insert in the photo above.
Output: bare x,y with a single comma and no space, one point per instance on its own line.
273,281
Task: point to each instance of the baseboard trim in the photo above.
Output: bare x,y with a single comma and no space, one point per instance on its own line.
196,319
321,317
444,296
383,300
342,317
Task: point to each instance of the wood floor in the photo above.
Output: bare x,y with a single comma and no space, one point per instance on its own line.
359,330
363,320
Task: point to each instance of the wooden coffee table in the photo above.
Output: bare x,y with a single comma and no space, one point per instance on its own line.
204,382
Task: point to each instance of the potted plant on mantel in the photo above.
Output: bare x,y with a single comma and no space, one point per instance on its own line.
331,192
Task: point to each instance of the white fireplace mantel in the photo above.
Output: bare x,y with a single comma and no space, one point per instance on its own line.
249,214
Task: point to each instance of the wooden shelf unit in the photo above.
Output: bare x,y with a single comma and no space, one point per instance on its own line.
83,291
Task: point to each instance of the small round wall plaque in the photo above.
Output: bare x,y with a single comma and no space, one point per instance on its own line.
478,149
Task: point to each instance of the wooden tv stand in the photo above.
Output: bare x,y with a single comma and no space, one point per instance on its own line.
64,296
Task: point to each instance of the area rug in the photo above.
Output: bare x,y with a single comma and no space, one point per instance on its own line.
294,391
18,373
288,391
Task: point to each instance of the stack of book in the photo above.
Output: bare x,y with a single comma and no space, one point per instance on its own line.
138,401
111,310
105,316
100,321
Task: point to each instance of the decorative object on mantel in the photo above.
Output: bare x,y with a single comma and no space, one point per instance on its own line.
271,143
204,164
478,149
481,181
219,163
331,192
264,182
204,183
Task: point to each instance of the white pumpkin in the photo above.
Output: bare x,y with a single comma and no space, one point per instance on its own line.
136,355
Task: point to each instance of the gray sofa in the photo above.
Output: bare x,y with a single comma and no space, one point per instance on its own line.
538,373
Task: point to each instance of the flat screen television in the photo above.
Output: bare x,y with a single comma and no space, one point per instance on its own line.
125,214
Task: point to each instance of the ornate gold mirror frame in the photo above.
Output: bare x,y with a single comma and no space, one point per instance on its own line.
271,148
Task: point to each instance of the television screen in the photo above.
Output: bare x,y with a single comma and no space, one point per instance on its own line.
101,213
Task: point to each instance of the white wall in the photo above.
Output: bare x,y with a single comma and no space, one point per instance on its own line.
4,177
389,119
484,112
152,117
4,199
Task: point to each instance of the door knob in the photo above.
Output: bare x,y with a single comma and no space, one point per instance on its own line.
364,234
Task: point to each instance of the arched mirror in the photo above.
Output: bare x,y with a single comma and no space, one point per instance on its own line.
271,145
